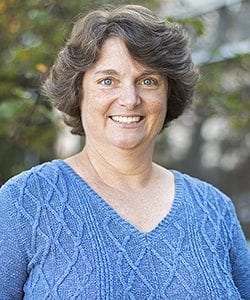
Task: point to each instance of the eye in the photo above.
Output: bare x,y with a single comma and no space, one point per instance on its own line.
150,82
106,81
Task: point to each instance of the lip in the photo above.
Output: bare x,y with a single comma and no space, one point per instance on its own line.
127,121
126,118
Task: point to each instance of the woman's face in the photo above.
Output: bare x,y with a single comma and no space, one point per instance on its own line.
124,102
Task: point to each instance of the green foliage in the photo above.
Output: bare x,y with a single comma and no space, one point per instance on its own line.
195,24
224,90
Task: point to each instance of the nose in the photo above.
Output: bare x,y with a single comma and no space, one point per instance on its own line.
129,97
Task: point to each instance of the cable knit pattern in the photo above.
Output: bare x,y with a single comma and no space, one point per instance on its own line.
60,240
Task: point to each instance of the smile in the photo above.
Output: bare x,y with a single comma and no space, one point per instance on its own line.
126,120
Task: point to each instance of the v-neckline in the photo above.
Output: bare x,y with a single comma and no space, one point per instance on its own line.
163,223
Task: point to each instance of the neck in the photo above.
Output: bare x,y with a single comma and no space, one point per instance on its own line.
118,167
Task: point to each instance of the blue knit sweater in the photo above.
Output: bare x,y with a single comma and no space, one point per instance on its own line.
60,240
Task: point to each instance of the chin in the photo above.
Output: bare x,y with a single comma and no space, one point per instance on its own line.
126,144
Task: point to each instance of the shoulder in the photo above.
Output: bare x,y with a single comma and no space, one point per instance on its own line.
34,182
45,170
206,196
202,189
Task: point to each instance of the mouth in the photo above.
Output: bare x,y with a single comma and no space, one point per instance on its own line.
126,119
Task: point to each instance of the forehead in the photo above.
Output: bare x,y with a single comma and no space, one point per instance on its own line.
115,55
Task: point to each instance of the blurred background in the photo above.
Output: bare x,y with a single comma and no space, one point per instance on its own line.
210,141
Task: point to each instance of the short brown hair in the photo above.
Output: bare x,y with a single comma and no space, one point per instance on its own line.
149,40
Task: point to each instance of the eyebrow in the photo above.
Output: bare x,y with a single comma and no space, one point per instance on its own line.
107,72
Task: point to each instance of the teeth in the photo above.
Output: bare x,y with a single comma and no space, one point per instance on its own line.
122,119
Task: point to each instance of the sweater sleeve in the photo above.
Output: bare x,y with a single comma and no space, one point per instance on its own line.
13,259
240,259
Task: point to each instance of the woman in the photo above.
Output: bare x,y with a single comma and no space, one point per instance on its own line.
108,223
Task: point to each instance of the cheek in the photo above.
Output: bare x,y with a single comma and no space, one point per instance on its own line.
158,112
159,106
156,100
94,108
91,101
